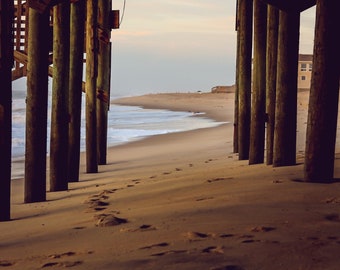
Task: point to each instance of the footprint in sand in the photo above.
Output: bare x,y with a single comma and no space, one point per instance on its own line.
214,249
168,252
204,199
97,202
97,205
79,228
62,264
6,263
197,236
226,235
66,254
332,217
146,227
262,229
100,196
332,200
219,179
163,244
142,228
108,220
136,181
248,239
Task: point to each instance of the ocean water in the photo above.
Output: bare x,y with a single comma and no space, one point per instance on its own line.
125,124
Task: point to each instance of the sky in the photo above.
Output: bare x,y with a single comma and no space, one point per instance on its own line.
174,45
178,45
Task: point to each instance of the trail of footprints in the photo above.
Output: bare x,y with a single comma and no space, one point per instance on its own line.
98,203
62,260
58,260
199,236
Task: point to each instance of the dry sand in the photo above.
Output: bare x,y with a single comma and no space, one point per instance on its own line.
180,201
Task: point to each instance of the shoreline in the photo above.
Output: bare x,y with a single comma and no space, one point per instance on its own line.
138,101
180,201
185,102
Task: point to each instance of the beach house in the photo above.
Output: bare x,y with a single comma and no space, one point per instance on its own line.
305,71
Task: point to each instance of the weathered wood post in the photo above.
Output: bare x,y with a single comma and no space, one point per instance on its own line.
103,80
77,28
60,88
91,87
286,89
237,26
324,95
258,107
271,67
36,107
244,71
6,62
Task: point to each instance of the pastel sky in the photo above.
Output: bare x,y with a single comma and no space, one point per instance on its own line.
180,45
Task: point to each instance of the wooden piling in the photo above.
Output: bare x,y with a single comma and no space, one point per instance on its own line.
91,87
60,88
257,126
36,107
235,135
324,95
244,70
6,62
103,80
77,28
286,89
271,67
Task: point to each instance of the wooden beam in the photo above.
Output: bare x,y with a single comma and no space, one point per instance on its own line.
291,5
324,95
103,79
244,70
6,61
236,101
36,108
286,90
257,126
77,28
19,73
91,87
60,89
271,68
43,6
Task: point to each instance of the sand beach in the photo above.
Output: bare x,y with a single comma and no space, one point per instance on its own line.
180,201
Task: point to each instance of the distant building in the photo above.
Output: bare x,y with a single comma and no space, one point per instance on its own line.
304,75
305,71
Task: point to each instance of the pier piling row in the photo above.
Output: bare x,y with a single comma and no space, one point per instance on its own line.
50,38
277,108
35,34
